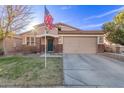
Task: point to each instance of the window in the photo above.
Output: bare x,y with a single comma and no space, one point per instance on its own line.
30,40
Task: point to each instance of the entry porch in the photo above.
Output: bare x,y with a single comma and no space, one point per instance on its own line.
52,45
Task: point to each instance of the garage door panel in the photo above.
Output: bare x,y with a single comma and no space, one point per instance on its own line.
79,45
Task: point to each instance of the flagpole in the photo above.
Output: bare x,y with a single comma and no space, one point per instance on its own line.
48,23
45,49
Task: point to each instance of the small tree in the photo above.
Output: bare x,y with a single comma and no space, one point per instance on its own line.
115,29
13,18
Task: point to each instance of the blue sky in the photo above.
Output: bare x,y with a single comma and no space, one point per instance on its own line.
85,17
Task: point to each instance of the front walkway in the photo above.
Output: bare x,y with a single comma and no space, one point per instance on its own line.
92,71
51,55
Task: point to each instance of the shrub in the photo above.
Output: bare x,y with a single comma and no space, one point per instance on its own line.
1,51
29,49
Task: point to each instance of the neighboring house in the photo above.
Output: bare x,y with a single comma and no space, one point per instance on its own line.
12,44
64,39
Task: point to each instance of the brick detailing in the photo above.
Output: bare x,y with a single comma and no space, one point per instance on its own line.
55,43
42,48
60,48
29,49
100,48
38,44
57,47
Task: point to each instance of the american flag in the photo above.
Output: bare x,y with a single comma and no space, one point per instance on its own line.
48,19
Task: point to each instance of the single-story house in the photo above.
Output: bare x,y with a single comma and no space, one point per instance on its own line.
62,39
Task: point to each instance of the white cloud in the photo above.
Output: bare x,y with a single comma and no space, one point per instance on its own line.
65,7
92,25
105,14
30,26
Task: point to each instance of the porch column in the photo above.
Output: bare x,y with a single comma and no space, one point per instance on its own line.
55,44
38,44
42,45
100,44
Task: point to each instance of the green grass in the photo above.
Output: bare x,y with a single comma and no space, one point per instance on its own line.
30,71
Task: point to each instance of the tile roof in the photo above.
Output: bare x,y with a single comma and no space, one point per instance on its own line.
76,31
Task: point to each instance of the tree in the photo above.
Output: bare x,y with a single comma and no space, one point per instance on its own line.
119,18
13,18
115,29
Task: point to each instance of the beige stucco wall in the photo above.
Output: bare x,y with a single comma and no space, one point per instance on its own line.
40,31
9,44
18,43
115,48
12,44
79,44
122,49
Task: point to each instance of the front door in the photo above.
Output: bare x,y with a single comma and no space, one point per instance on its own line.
50,45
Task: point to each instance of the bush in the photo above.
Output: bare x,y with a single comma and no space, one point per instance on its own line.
29,49
1,51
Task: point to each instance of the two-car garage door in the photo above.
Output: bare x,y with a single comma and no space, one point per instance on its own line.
84,45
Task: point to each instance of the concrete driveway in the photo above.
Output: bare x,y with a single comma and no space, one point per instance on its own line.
92,71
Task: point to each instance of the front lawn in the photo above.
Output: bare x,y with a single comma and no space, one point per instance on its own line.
18,71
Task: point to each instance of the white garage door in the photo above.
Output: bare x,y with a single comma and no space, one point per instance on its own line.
84,45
